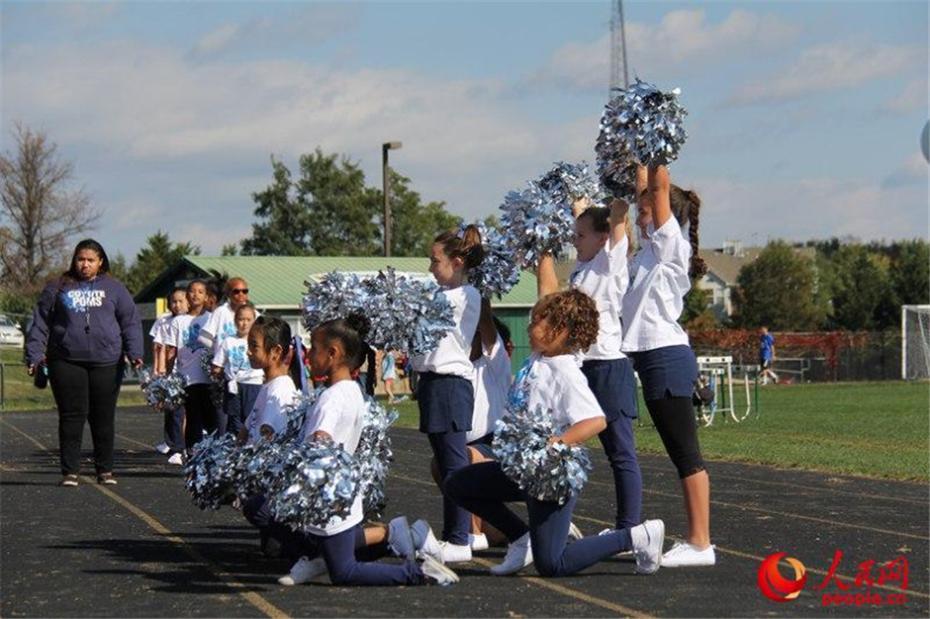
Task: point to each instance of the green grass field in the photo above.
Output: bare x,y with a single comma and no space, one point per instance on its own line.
871,429
20,394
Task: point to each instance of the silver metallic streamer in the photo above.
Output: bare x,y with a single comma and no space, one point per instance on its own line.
374,454
644,120
164,392
315,483
209,474
521,444
498,273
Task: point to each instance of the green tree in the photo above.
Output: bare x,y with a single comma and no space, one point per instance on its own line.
230,249
781,289
118,267
696,313
328,211
910,273
415,224
159,254
859,286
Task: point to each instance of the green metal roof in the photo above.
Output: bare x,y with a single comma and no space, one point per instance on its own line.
279,280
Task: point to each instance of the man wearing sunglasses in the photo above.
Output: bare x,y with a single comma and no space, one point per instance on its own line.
222,322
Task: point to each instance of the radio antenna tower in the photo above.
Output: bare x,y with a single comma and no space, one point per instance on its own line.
617,48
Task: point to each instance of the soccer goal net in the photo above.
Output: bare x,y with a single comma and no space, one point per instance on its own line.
915,342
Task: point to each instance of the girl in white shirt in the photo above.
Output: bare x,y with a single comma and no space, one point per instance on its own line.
173,444
231,363
270,350
444,391
661,274
185,350
562,325
601,272
336,352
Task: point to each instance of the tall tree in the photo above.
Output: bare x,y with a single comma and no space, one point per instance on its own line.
859,285
415,224
781,289
158,254
41,211
328,211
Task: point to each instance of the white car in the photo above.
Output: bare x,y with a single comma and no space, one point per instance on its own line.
11,333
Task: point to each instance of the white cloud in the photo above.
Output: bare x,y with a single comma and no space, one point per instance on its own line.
670,47
828,67
808,208
912,98
305,26
912,171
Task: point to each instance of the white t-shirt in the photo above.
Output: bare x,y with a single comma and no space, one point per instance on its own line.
491,383
184,335
339,412
655,298
453,354
605,279
222,324
232,356
270,404
557,384
161,328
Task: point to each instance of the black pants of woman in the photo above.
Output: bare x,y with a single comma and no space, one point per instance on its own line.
85,392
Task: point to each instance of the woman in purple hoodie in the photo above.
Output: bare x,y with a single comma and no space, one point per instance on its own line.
83,326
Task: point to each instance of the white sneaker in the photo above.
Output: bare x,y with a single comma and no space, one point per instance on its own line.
574,532
455,553
424,541
176,458
303,571
478,541
162,448
647,541
399,538
437,572
519,555
683,554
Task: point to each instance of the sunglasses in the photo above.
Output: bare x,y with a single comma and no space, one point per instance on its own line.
239,291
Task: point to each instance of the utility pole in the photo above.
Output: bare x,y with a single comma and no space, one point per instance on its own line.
618,64
386,191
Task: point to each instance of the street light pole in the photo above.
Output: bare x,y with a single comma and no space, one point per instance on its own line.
386,192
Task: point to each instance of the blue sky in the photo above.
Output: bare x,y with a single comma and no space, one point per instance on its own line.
804,117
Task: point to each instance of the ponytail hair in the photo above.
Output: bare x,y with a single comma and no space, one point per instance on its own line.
686,207
351,332
467,246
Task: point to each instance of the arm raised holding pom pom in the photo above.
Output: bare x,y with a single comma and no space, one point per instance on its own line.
658,190
547,281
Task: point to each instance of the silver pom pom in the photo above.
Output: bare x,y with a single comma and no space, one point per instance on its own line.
334,296
165,392
256,466
409,315
644,120
374,454
498,273
538,219
568,182
210,472
296,414
521,444
316,482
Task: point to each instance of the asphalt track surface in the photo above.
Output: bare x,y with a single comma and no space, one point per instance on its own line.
142,549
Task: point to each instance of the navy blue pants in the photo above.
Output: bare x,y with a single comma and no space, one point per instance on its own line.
446,404
613,385
451,455
174,430
484,489
237,406
343,552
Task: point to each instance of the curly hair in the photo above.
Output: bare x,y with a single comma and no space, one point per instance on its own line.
573,311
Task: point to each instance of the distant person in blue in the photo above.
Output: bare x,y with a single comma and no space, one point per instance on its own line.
767,355
83,327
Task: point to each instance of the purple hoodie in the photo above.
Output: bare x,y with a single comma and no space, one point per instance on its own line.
93,322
